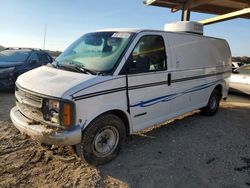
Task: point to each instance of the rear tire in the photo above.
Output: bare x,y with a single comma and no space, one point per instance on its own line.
213,104
102,140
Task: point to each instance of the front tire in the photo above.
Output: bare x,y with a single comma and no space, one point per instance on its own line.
102,140
212,105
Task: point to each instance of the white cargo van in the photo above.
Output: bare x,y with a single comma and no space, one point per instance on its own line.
111,83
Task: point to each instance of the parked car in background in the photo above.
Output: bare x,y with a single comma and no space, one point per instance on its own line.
240,80
15,61
236,65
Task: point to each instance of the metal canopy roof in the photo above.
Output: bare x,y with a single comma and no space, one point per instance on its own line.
218,7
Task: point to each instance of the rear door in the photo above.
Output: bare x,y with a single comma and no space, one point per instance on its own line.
148,88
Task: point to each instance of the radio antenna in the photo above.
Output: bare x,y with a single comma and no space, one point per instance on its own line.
44,37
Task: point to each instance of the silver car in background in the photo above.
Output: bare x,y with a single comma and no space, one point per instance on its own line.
240,80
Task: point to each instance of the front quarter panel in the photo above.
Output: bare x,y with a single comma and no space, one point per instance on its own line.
100,98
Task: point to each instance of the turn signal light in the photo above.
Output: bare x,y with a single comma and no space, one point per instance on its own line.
67,111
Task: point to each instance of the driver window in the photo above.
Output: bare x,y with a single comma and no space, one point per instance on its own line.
148,55
34,57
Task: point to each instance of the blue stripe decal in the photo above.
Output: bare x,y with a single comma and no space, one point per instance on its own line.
169,97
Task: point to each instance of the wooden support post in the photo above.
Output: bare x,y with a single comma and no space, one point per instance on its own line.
185,15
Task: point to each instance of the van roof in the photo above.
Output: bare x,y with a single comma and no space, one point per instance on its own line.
134,30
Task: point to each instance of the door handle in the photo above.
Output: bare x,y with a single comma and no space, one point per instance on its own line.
169,79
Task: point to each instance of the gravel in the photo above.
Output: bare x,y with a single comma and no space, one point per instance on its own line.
191,151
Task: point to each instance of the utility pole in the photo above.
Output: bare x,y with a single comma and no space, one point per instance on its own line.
44,37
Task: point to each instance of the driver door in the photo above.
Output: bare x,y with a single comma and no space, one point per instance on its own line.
148,87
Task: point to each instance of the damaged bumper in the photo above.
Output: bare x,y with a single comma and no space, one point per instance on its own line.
44,134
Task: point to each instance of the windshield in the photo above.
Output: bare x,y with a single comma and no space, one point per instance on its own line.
98,51
14,55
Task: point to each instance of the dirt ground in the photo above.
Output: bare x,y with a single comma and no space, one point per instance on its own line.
193,151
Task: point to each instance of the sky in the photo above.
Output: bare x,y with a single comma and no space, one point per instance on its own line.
22,22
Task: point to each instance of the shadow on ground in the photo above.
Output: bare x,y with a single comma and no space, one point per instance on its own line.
195,151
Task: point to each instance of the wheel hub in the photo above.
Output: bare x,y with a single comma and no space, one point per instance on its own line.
105,141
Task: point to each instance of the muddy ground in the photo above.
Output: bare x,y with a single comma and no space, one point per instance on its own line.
193,151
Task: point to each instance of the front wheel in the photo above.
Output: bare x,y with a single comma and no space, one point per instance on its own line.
102,140
212,105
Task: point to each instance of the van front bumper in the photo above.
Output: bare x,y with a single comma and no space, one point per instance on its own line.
44,134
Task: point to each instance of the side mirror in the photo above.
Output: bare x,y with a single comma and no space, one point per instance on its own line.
33,61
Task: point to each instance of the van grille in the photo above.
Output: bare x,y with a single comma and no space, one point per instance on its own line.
30,112
29,99
29,105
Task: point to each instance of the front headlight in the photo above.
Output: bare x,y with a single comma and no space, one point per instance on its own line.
54,105
59,112
54,108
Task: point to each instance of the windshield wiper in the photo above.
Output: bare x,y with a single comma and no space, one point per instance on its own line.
83,69
77,68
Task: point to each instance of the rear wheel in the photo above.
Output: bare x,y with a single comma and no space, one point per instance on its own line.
102,140
213,104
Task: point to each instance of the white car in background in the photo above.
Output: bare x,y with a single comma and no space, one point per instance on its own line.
236,65
240,80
